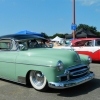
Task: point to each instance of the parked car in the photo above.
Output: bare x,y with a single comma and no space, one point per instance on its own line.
87,46
26,59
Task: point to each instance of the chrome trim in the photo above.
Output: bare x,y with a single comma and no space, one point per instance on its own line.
74,67
12,80
59,64
89,59
68,77
72,83
22,79
79,72
29,64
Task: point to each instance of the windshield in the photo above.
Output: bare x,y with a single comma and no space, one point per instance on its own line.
34,43
83,43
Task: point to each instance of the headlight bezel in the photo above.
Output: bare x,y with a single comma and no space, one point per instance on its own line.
60,65
89,59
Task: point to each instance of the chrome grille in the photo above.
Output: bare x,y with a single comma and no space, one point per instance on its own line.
77,71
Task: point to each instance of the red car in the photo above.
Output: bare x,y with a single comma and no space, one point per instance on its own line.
88,46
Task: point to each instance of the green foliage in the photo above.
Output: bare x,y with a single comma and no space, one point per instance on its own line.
98,33
61,35
58,34
90,28
44,35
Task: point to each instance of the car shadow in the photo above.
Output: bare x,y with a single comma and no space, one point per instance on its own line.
69,92
23,85
77,90
96,62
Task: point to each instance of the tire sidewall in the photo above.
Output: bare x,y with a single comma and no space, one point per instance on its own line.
34,85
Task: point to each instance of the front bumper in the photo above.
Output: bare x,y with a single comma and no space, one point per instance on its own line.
71,83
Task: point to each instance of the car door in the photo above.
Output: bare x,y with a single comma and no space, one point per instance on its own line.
7,59
97,49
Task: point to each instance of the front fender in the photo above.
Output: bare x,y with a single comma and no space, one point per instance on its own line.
84,59
46,65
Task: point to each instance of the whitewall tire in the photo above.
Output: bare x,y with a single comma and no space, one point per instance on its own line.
38,80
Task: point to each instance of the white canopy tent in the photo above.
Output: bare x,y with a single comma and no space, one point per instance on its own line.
57,39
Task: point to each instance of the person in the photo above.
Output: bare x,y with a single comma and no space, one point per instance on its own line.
43,44
33,43
89,43
23,45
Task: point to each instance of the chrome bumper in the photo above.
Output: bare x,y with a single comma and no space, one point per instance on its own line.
71,83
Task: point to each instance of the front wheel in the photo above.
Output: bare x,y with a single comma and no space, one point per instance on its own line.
38,80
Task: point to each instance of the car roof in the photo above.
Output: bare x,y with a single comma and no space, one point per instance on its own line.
80,39
19,37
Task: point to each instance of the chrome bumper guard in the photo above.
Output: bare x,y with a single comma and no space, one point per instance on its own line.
71,83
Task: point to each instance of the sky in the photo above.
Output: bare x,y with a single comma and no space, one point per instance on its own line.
48,16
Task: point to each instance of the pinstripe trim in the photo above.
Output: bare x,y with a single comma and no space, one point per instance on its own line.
27,64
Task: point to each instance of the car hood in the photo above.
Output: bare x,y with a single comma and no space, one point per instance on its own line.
48,57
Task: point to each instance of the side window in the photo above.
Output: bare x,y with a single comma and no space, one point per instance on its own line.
78,43
83,43
5,45
97,43
88,43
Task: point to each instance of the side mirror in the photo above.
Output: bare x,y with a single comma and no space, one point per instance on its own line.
21,47
51,45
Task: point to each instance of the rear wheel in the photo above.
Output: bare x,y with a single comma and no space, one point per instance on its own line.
38,80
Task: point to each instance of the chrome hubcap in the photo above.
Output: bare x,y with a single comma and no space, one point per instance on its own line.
38,78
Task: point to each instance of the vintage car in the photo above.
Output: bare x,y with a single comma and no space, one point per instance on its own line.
26,59
87,46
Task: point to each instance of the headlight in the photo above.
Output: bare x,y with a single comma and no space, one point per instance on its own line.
60,65
89,60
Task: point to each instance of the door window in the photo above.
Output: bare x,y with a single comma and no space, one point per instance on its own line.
5,45
83,43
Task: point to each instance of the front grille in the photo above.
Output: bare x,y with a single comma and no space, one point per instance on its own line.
75,72
74,77
78,72
78,68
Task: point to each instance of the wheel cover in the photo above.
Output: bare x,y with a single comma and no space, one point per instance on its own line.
38,80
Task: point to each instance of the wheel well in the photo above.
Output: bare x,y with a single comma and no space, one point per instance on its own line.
27,78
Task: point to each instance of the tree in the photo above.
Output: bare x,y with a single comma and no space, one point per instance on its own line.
59,34
44,35
87,27
98,33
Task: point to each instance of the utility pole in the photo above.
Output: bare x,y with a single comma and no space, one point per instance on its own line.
73,18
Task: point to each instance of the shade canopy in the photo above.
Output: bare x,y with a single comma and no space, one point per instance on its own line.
82,33
29,32
57,38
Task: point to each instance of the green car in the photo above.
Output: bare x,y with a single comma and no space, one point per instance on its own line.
27,59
